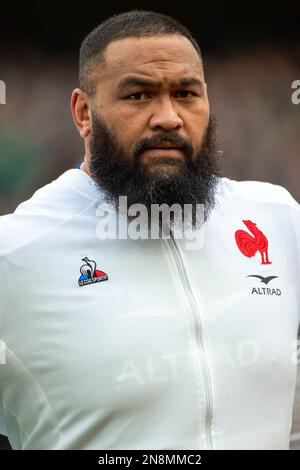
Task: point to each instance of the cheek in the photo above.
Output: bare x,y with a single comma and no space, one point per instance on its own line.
123,118
196,126
128,125
133,114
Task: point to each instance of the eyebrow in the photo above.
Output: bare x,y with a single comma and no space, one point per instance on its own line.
133,81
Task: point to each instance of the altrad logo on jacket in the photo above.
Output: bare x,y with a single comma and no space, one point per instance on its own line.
89,273
264,290
263,279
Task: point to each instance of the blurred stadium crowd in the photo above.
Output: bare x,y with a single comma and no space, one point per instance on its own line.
250,94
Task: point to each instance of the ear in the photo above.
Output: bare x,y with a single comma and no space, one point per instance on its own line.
80,107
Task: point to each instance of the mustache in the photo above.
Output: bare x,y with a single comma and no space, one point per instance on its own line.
160,139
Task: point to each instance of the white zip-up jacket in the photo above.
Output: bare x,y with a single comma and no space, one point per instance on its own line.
144,344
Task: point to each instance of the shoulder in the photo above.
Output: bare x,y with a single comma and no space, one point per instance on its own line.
257,192
47,208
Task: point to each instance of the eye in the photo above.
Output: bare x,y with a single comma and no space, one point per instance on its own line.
185,94
137,96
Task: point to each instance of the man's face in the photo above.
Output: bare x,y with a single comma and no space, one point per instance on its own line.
152,137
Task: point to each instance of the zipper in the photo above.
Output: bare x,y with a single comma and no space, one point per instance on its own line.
178,258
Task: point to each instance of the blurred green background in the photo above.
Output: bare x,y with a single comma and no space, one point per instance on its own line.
251,56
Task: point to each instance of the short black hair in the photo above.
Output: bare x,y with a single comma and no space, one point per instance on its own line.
134,23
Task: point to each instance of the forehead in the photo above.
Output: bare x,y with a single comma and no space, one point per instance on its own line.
156,57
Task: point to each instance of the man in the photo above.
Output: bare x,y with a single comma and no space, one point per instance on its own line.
114,341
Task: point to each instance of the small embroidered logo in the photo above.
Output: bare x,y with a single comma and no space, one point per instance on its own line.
263,279
89,273
250,244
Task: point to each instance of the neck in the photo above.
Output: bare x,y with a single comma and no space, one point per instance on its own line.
84,167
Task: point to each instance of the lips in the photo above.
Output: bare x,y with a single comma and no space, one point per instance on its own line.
165,146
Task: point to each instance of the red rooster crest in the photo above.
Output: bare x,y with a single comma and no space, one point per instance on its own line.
250,244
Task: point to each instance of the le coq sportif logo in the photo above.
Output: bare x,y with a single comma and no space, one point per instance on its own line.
89,273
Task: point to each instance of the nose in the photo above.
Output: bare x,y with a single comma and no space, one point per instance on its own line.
165,117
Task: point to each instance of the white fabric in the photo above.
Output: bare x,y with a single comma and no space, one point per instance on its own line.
173,351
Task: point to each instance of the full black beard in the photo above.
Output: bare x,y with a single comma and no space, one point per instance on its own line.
118,173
